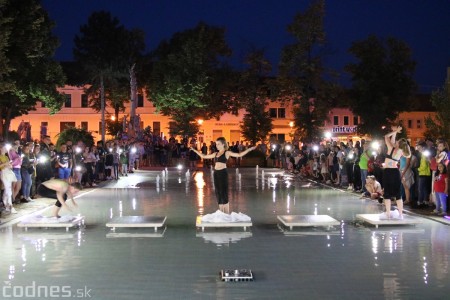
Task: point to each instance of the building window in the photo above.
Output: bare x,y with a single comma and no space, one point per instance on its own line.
140,100
335,120
273,112
280,138
84,100
279,113
64,125
419,124
156,128
42,104
410,124
100,127
68,100
346,120
355,121
84,125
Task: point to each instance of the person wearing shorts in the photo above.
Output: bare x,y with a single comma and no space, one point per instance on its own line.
60,190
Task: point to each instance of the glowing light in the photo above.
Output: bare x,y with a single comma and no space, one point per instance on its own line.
315,148
43,159
328,135
8,147
113,118
288,147
133,150
291,124
78,168
180,167
375,145
78,149
200,121
426,153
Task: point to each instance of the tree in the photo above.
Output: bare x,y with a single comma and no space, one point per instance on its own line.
302,72
28,72
382,82
107,51
252,93
440,126
75,134
188,79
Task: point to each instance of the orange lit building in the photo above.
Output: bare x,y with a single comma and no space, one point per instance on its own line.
77,113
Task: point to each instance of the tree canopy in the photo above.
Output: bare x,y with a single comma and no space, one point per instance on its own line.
382,82
253,92
439,127
189,78
106,51
302,72
28,73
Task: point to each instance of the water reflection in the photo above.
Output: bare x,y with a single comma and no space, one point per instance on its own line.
224,238
200,184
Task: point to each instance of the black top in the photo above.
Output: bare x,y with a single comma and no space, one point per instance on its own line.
222,158
390,155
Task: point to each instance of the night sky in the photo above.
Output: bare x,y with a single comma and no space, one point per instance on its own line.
423,24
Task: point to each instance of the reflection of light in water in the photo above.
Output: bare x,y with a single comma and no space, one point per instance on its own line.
274,196
12,270
200,183
425,271
111,213
315,208
288,202
134,203
272,181
79,238
120,208
374,243
43,257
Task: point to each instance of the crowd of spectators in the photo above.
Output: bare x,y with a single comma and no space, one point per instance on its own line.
358,167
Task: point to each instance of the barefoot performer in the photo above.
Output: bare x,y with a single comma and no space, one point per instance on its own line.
220,170
391,174
59,189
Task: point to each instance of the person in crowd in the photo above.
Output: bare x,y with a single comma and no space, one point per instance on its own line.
441,189
34,176
391,173
26,170
16,162
407,177
220,170
123,162
364,165
116,161
89,163
64,161
7,177
424,175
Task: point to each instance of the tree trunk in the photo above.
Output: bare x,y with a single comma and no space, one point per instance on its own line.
133,86
102,108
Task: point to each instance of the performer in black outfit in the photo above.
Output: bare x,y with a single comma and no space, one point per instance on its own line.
220,170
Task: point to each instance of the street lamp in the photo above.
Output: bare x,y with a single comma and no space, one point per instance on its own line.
328,135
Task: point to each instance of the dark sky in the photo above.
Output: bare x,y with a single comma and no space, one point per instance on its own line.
423,24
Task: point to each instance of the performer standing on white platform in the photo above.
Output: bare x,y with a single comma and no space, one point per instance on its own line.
220,170
391,173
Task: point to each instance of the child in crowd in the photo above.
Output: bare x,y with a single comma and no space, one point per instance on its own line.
441,189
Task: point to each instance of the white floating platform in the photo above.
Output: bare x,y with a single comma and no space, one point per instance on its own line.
201,224
51,222
137,222
307,220
374,219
